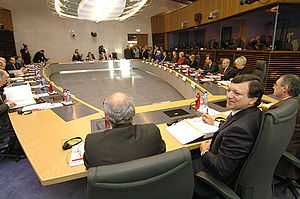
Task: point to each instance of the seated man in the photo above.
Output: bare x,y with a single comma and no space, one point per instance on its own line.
209,66
4,76
39,57
286,87
125,141
193,63
224,156
77,56
11,65
227,71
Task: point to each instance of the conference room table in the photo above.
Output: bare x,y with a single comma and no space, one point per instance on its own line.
43,132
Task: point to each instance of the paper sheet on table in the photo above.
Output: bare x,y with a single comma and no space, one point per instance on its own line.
41,106
76,158
189,130
21,95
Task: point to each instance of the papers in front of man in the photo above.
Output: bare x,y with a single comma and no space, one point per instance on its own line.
41,106
21,95
189,130
76,158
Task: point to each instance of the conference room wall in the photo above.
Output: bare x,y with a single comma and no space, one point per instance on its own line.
36,26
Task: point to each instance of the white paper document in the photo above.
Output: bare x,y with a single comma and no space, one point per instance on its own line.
21,95
77,155
189,130
41,106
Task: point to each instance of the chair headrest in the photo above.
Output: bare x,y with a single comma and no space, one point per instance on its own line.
285,111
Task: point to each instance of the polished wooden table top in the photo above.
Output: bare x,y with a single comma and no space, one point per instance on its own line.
43,133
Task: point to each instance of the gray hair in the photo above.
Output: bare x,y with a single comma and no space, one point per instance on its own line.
119,109
242,60
293,84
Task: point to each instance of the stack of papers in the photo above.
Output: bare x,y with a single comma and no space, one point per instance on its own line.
189,130
77,155
21,95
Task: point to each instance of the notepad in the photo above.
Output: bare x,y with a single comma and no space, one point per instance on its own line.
189,130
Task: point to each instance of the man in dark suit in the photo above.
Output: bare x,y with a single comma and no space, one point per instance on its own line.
224,156
285,88
227,71
125,141
209,65
39,57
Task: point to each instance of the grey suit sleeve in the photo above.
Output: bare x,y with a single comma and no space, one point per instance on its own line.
162,145
235,147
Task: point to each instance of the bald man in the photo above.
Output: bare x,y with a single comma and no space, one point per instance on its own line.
124,141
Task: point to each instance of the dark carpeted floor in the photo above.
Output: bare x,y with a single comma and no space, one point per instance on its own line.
18,181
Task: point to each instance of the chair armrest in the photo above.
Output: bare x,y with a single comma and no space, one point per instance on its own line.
292,159
219,186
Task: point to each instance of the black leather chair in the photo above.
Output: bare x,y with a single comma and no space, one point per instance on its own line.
289,182
167,175
256,176
261,69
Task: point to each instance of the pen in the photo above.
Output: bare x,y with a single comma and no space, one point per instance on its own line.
77,159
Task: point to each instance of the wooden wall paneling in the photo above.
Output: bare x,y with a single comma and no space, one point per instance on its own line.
6,19
227,8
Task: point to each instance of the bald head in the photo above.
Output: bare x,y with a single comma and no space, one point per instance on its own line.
2,63
119,109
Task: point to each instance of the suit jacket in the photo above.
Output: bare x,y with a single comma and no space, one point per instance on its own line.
284,168
242,71
122,144
229,73
213,68
232,144
5,124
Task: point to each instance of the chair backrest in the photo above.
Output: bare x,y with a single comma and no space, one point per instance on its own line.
167,175
277,127
261,69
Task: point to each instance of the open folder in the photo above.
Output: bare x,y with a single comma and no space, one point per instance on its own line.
21,95
189,130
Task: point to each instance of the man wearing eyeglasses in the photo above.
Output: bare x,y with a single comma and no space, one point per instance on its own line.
224,156
125,141
285,88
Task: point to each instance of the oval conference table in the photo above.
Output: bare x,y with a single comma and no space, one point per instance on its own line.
155,88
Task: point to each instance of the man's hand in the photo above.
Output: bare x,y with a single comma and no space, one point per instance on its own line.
10,103
208,119
205,145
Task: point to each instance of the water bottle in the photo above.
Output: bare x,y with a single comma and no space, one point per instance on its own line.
204,104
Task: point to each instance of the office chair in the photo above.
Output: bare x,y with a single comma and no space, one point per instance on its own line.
256,176
167,175
261,69
287,181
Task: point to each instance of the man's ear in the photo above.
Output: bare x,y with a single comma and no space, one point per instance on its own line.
286,90
252,100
